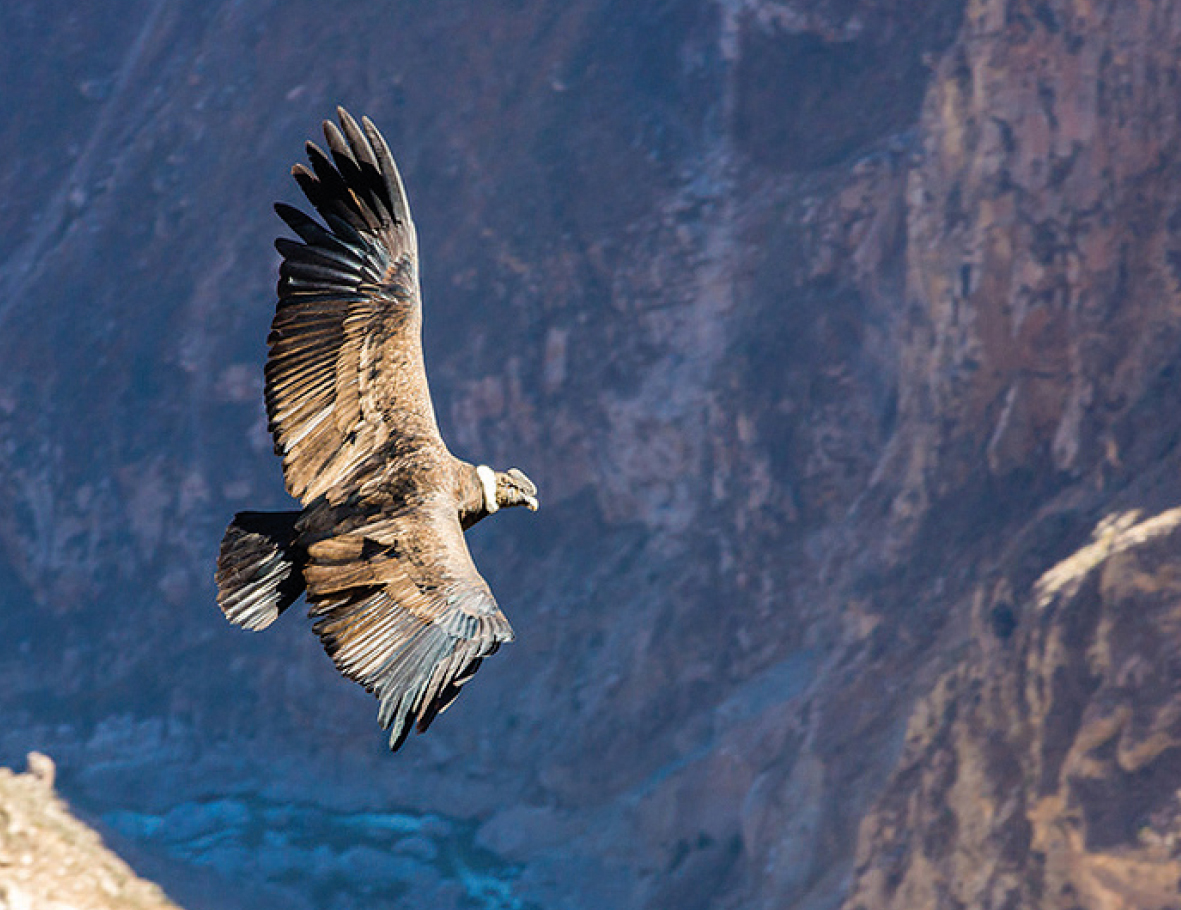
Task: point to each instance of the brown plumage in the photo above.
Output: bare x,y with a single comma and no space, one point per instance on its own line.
378,547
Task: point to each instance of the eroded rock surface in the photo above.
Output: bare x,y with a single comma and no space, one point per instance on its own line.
843,338
1042,769
51,861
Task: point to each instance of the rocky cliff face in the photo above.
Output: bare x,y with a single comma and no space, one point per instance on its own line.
51,861
1040,767
842,339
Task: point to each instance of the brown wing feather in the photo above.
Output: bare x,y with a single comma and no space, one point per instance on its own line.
401,609
345,372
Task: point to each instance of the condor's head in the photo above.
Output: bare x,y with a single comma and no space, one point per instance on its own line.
504,489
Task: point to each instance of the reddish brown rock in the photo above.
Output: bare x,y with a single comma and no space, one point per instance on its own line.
828,329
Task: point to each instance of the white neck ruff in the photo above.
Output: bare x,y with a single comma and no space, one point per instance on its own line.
488,482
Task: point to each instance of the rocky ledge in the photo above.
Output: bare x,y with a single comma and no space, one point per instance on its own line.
49,860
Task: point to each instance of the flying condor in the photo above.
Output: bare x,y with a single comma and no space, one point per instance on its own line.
378,547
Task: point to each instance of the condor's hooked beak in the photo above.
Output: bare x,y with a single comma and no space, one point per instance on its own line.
524,489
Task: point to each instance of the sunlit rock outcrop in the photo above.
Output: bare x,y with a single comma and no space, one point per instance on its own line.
51,861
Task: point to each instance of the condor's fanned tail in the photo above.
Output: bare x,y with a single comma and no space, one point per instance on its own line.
259,571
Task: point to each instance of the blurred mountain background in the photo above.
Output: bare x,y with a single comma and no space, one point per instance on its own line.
843,339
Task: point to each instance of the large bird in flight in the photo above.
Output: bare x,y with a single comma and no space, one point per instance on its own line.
379,544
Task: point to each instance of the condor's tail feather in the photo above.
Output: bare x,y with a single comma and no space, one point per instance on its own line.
259,568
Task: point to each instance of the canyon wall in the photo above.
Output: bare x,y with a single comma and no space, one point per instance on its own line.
842,339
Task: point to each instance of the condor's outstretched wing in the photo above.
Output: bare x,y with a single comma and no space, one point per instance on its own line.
345,371
401,609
